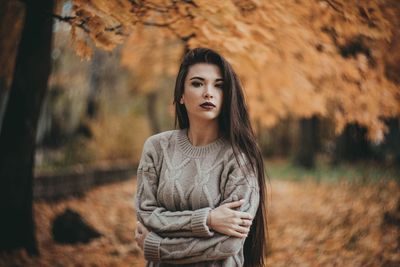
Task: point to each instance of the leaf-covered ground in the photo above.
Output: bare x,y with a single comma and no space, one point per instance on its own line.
310,224
333,224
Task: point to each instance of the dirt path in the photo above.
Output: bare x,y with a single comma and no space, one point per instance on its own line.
327,224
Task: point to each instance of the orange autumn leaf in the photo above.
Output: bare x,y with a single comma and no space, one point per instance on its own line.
326,58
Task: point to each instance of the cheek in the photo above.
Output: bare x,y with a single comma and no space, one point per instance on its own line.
190,94
221,97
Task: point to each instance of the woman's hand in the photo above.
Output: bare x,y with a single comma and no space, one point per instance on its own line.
225,220
140,234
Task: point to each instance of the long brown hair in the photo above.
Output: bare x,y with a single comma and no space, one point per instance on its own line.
234,123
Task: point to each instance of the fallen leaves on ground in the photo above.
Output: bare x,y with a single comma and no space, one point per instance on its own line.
333,224
310,224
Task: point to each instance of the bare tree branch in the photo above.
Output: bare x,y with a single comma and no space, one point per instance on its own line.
61,18
82,23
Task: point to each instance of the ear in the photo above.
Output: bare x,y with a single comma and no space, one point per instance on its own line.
181,101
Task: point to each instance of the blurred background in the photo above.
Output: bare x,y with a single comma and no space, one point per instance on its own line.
84,83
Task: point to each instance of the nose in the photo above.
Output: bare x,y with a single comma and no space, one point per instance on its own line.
208,92
208,95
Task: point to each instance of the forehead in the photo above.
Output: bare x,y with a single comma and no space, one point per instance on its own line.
204,70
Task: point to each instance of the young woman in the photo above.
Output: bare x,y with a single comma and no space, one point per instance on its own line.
201,188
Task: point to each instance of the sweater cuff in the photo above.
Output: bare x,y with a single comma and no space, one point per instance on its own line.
151,247
199,223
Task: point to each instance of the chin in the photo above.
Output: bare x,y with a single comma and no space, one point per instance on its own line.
207,117
204,116
210,117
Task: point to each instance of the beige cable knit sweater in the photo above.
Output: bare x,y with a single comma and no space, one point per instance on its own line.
178,184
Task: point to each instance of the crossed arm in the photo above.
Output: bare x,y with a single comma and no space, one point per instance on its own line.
187,223
182,250
190,239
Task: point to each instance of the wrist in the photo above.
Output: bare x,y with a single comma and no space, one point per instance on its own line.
209,219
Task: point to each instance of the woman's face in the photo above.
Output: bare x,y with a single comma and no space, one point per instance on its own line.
203,92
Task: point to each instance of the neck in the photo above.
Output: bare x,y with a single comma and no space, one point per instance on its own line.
203,133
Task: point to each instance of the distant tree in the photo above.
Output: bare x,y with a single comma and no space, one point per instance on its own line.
17,138
324,58
308,142
94,85
352,144
152,55
393,141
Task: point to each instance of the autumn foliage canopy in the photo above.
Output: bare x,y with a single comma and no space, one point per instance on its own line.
334,58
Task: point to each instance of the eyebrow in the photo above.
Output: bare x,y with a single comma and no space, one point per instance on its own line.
202,79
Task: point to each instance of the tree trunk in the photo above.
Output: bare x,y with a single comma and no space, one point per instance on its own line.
96,72
17,139
11,19
393,140
152,112
308,142
352,145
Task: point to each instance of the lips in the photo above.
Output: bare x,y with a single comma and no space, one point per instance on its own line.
207,105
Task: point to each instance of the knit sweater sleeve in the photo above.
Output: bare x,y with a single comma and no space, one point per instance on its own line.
189,223
190,250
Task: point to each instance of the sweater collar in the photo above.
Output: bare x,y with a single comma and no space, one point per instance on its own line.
196,151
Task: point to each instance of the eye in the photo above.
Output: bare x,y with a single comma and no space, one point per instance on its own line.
196,84
219,85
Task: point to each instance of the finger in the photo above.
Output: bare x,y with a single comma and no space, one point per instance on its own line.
242,222
138,235
140,242
142,228
139,230
237,234
242,230
246,222
234,204
139,225
244,215
140,245
238,221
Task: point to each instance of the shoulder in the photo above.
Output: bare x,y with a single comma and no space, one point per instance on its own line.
235,158
239,167
156,140
152,149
